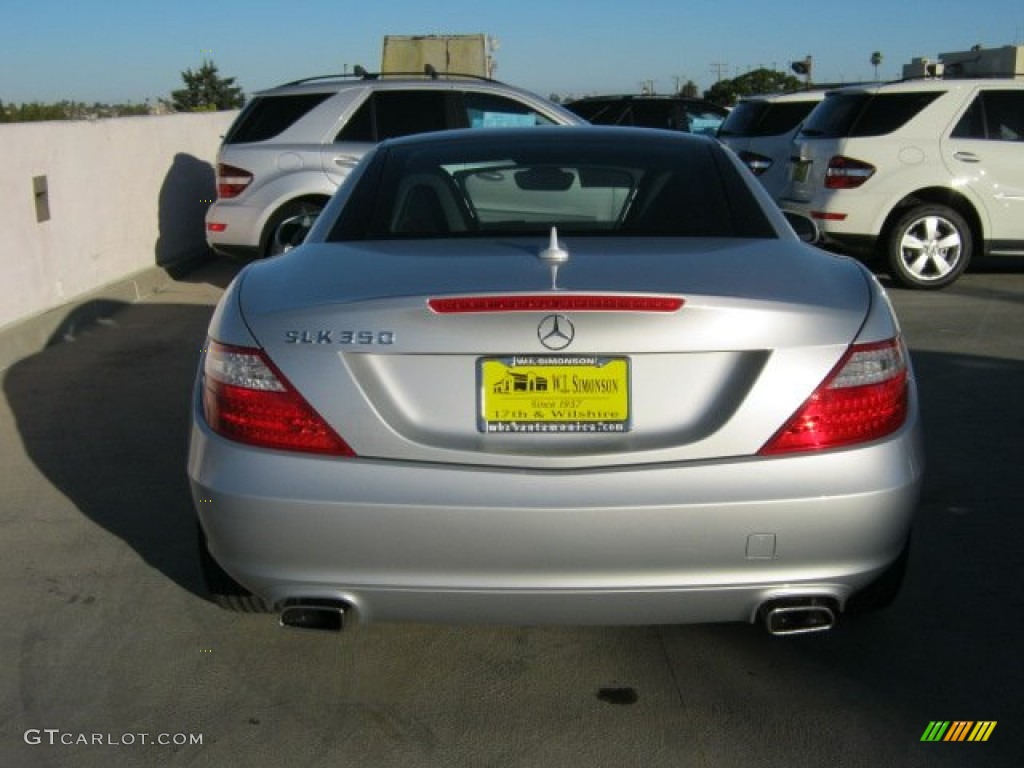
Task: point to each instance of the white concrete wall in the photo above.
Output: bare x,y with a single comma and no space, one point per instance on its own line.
124,195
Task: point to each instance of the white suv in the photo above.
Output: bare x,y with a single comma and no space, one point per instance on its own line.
291,146
924,173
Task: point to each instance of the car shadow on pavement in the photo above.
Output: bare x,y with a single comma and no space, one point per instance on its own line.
105,419
948,648
104,416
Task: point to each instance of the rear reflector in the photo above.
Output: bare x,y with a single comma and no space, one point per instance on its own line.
247,399
555,303
824,216
215,226
863,399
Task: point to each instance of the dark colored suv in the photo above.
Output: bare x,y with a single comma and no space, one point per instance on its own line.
673,113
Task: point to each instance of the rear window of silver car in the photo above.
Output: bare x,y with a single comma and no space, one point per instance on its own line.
765,118
265,117
487,189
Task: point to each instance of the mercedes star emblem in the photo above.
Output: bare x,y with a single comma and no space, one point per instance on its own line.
555,332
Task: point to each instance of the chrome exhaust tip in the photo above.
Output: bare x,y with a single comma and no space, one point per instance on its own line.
798,615
314,613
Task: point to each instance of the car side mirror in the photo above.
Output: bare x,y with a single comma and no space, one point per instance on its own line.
804,226
290,233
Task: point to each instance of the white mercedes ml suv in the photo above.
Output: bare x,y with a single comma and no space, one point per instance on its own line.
921,173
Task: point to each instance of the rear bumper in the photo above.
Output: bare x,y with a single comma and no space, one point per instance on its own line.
658,544
240,233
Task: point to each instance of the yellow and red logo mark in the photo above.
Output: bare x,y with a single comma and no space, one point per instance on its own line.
958,730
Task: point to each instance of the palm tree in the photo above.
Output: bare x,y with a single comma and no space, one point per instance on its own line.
876,59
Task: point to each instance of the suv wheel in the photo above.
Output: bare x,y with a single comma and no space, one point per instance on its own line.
928,247
298,208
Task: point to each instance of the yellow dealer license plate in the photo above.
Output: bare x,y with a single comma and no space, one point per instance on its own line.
553,394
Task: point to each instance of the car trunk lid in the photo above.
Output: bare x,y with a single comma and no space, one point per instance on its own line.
366,332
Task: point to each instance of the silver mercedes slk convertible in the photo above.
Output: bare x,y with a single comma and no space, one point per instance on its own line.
574,375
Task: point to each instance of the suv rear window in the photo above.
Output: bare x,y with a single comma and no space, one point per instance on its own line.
596,111
666,113
865,114
763,118
639,113
268,116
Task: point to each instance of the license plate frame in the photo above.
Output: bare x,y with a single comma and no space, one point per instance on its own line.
554,394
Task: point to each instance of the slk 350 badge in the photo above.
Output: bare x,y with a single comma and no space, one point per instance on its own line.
382,338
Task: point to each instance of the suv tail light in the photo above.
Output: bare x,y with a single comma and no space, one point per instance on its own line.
231,181
847,173
758,164
247,399
862,399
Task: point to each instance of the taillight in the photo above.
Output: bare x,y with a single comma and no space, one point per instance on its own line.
755,162
231,181
246,399
864,398
847,173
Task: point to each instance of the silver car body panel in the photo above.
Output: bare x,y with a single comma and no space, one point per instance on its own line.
663,543
744,323
676,520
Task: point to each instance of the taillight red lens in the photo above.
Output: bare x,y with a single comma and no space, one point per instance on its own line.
246,399
863,399
847,173
231,181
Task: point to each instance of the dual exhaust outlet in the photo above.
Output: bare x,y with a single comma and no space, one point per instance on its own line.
783,616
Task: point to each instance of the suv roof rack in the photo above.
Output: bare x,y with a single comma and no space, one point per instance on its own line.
361,73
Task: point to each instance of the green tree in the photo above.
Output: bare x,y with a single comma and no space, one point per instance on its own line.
757,81
689,90
206,91
876,61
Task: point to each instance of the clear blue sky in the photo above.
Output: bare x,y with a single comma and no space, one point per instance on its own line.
119,51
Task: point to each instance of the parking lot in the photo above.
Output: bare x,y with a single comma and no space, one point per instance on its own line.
113,657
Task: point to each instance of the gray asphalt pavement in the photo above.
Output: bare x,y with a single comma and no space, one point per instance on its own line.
113,658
